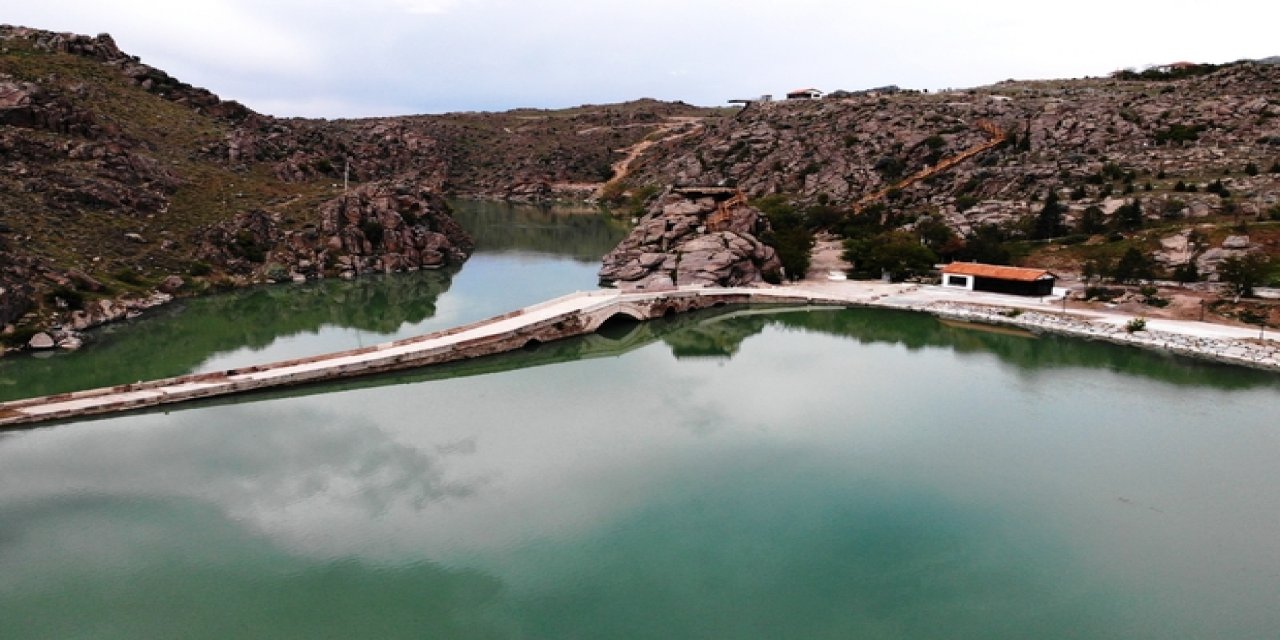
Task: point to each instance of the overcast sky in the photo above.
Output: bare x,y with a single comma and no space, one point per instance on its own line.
392,57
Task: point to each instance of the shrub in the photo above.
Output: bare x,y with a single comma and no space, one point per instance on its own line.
1091,221
1136,324
1180,133
1252,316
247,246
890,167
275,272
1151,297
1186,272
1129,216
128,276
1101,294
1133,266
1243,273
198,269
372,230
70,297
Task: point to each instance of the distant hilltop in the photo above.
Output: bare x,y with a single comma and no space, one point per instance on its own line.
119,180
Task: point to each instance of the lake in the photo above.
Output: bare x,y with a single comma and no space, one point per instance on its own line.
745,473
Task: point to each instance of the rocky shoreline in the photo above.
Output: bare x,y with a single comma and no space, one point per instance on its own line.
1258,354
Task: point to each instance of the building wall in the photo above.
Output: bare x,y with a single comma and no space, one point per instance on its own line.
1038,288
957,281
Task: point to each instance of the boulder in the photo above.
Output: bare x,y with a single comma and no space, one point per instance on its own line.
41,341
673,243
1236,242
171,284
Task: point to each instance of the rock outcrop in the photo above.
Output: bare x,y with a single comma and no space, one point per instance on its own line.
693,239
380,227
114,169
1092,137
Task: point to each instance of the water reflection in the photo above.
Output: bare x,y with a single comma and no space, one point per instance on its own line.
177,339
1027,354
579,233
524,255
720,333
829,554
155,568
824,481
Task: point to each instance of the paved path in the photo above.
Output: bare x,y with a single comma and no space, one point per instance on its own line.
568,316
584,312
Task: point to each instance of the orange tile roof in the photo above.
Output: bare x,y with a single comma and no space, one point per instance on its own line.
996,271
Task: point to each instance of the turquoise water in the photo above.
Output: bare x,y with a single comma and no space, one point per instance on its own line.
525,255
807,474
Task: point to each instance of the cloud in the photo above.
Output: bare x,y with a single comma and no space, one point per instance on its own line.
424,6
424,56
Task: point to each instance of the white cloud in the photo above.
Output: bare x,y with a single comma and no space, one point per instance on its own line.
434,55
425,6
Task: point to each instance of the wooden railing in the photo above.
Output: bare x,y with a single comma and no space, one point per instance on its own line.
998,137
719,221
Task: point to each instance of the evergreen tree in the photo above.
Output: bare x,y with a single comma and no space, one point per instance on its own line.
985,244
1048,223
1091,221
1132,267
1243,273
1129,216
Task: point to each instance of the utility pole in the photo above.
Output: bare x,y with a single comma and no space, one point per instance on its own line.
346,174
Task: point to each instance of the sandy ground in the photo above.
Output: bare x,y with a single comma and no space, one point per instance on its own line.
825,258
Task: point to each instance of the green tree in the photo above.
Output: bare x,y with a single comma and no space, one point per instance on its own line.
1186,272
890,167
986,244
1243,273
1091,221
897,253
1129,216
790,236
794,246
1095,269
934,233
1132,267
1048,223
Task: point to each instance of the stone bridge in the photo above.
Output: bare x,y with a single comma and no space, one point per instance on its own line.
572,315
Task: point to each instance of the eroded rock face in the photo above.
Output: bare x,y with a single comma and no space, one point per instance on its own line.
15,300
693,241
380,227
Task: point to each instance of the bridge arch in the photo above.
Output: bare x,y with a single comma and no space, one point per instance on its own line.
617,314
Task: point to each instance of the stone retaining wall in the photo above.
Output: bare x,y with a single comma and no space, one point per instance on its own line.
1258,354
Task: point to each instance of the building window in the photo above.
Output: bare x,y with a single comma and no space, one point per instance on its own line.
957,281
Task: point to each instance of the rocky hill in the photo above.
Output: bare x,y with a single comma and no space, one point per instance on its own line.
1061,173
122,185
1063,134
